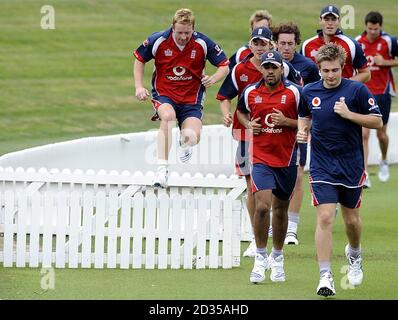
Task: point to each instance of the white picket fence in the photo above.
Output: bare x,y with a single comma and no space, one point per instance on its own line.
90,220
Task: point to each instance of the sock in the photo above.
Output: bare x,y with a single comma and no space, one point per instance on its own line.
354,252
163,162
324,267
276,253
294,217
262,251
294,220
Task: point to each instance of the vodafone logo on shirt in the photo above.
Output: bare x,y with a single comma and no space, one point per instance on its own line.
316,102
178,74
270,126
179,71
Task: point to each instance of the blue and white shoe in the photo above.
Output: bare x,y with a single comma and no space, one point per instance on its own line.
184,154
260,266
277,271
161,175
354,272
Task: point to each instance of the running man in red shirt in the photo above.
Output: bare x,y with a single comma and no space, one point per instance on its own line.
381,50
178,82
244,73
269,108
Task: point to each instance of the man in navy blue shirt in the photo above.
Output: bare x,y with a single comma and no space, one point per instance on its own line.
287,37
339,108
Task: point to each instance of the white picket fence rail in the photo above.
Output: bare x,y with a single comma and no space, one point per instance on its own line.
95,229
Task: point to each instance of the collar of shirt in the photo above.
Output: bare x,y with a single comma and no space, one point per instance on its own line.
365,38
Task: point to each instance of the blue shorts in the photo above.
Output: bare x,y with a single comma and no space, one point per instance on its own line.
328,193
183,111
242,164
302,153
280,180
384,103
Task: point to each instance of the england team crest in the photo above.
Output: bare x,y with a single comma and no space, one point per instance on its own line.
244,78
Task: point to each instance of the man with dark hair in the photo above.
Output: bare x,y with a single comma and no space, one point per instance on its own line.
355,67
338,108
381,50
269,109
243,74
287,37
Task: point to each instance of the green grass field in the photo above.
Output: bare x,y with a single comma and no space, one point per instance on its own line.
75,81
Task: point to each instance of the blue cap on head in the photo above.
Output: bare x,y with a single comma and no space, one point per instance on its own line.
271,56
262,33
330,10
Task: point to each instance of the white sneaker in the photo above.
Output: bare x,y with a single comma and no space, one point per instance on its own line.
277,272
184,154
354,272
260,266
160,180
366,183
326,285
291,238
384,171
251,250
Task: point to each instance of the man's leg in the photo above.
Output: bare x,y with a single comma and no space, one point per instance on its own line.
279,222
384,102
323,233
365,140
384,172
262,199
323,241
260,229
294,208
353,226
190,136
250,205
279,228
167,117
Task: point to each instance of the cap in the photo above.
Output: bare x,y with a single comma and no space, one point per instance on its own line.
330,10
262,33
271,56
